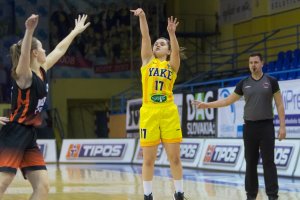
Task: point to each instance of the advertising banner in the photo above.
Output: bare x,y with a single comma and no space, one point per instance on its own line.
199,122
178,100
133,117
285,157
283,5
48,149
297,167
138,155
230,118
97,151
190,152
233,11
225,154
290,92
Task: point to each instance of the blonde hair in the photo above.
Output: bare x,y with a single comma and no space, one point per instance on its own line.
15,52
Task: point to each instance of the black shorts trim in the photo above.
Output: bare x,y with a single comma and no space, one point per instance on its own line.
24,170
8,170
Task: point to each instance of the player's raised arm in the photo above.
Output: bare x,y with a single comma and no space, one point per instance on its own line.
175,50
146,49
62,47
21,65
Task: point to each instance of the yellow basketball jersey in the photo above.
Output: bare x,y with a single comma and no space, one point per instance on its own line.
158,79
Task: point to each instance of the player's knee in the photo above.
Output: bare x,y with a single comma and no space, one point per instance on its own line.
42,187
148,162
175,160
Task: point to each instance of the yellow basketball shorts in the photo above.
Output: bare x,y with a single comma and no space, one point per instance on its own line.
159,123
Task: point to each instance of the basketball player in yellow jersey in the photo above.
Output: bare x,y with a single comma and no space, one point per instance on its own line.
159,118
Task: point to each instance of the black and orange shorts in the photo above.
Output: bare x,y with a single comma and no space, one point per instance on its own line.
18,149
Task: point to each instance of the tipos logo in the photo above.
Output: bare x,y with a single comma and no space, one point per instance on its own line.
94,151
73,151
188,151
222,154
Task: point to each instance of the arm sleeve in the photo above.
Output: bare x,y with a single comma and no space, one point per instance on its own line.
274,84
239,88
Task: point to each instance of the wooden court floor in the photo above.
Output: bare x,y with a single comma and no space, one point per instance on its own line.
123,182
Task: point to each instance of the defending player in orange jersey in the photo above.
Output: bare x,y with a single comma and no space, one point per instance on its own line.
18,147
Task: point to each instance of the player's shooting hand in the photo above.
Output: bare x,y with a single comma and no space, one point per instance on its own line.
138,12
172,24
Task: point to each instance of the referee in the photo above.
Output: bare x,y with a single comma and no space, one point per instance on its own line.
258,90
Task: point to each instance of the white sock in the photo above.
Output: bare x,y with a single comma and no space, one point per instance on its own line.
178,185
147,187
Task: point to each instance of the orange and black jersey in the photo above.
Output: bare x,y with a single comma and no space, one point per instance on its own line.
27,104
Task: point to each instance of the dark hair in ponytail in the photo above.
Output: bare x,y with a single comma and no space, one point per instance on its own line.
15,52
